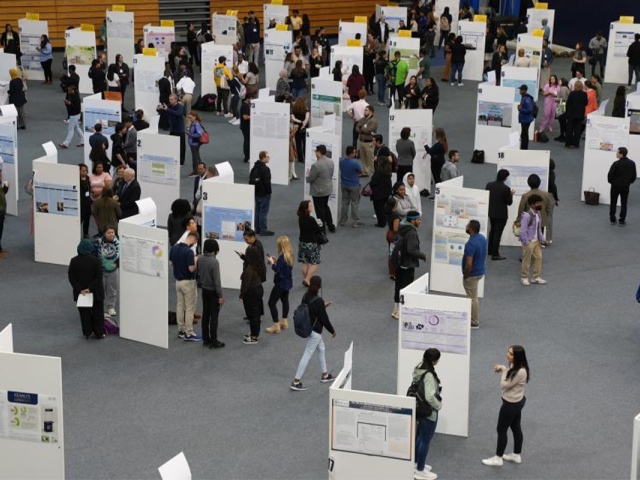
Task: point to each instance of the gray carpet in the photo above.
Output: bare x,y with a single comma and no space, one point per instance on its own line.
130,407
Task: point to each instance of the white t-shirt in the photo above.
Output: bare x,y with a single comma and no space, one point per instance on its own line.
243,67
114,82
358,109
186,84
575,80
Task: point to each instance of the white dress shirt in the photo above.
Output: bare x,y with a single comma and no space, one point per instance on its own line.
186,84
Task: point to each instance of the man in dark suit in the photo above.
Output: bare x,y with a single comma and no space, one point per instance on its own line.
129,194
381,31
500,197
98,136
165,89
621,175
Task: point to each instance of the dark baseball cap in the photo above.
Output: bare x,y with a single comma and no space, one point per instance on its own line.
524,87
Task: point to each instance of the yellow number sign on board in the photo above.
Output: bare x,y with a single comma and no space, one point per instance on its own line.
276,2
538,33
480,18
149,52
404,33
117,8
33,17
360,19
542,6
352,42
167,23
87,27
281,28
626,19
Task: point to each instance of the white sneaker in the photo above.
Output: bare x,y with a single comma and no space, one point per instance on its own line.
453,83
461,84
395,314
236,122
228,115
112,312
512,457
424,475
494,461
539,281
525,282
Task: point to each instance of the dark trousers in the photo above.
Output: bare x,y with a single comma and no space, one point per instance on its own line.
223,97
378,207
46,66
562,120
85,219
509,417
235,102
123,90
574,130
524,136
634,69
354,137
253,308
92,319
301,143
278,294
183,144
495,234
246,147
163,123
436,170
369,83
262,211
321,204
392,93
404,277
210,311
597,58
403,170
623,193
1,228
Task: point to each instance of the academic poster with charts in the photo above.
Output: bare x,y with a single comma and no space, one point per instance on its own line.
56,198
143,256
29,417
442,329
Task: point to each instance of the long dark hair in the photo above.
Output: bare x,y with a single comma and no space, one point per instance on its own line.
254,260
431,355
519,361
44,41
315,284
303,208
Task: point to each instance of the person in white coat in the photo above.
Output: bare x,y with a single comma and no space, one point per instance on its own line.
413,190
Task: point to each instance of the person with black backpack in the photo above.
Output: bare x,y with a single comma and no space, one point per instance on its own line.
426,389
527,113
318,319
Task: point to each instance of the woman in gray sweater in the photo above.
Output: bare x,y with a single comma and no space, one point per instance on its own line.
406,152
212,299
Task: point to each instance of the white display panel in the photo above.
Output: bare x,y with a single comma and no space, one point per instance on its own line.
31,386
635,451
144,282
514,77
224,29
120,30
454,207
439,319
161,37
633,113
56,197
321,136
409,49
535,17
106,112
453,5
159,170
474,37
211,53
421,124
6,339
148,71
276,46
392,16
225,207
176,469
7,62
30,33
348,31
270,132
275,12
326,99
532,46
604,136
9,157
521,164
349,56
225,173
621,35
80,51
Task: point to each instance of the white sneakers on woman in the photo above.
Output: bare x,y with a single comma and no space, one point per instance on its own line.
513,457
497,461
424,475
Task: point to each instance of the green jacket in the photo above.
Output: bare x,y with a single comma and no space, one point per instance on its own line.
402,70
430,390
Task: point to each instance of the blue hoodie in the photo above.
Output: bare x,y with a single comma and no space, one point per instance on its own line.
526,109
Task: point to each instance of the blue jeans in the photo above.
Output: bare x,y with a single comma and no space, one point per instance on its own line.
314,342
262,210
456,67
299,92
426,431
382,87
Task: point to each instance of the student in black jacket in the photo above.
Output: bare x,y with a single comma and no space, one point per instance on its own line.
260,176
74,108
85,277
381,188
437,152
164,89
72,79
633,52
17,96
621,175
500,197
430,94
319,321
575,113
98,77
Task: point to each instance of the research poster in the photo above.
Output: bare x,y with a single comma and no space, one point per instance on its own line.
147,80
158,169
532,87
29,417
276,50
518,175
105,117
118,28
606,137
471,39
223,223
634,121
269,125
224,25
494,114
323,105
7,148
370,429
143,256
420,135
30,33
621,44
161,41
409,55
56,198
442,329
80,54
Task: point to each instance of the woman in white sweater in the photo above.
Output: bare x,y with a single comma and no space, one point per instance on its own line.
513,380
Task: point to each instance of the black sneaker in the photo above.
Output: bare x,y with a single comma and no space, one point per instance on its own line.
250,341
181,335
613,222
297,387
216,344
267,233
622,223
328,379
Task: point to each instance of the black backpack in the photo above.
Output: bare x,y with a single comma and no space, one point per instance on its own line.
397,250
536,110
302,323
478,156
416,390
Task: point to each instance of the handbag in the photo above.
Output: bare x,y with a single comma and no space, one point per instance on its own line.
561,108
204,138
321,238
367,191
478,156
591,197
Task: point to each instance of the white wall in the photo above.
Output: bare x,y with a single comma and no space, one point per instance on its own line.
276,45
331,104
270,132
474,59
348,31
78,38
633,102
492,138
120,39
148,70
211,52
8,128
31,31
167,34
6,339
617,70
7,62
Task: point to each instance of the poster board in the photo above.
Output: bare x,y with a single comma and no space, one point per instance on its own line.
348,31
148,70
535,17
120,31
30,33
269,130
106,112
226,206
632,112
454,6
532,48
176,469
349,56
322,136
56,197
521,164
211,52
7,62
31,386
514,77
426,321
274,12
635,451
144,282
276,46
604,136
6,339
393,15
224,29
326,99
80,50
159,170
161,37
409,49
9,156
454,207
474,37
421,124
621,35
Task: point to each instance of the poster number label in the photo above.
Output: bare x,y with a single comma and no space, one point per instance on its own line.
205,196
139,143
501,155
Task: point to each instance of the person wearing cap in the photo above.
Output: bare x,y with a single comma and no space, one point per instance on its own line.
410,257
320,180
525,116
473,263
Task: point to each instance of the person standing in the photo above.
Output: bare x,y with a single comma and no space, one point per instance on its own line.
184,264
300,116
350,173
106,248
547,60
251,292
260,177
74,109
563,96
195,132
500,197
164,89
129,194
401,71
380,67
621,175
406,152
17,96
85,277
450,168
98,77
222,76
498,60
525,116
98,178
308,247
85,199
355,83
366,128
130,144
282,267
252,38
550,92
598,46
554,201
319,321
46,58
371,48
534,183
107,211
579,60
458,52
381,188
473,265
532,239
175,110
245,126
185,87
512,383
320,180
212,296
122,70
577,102
633,53
4,188
356,110
424,69
437,152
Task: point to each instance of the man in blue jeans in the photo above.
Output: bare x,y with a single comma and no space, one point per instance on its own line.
475,253
260,176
